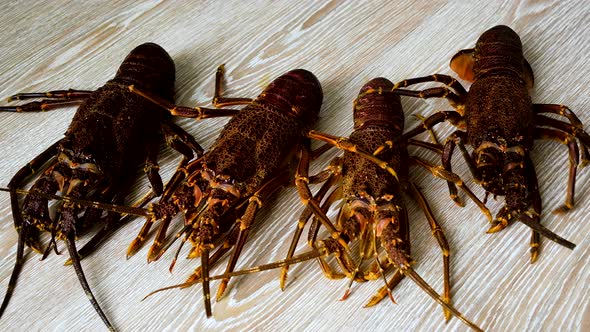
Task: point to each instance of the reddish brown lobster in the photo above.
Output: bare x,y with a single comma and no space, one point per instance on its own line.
255,155
373,211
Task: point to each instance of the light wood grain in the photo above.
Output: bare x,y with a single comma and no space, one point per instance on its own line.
49,45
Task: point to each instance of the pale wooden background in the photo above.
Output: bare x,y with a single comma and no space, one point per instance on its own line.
60,44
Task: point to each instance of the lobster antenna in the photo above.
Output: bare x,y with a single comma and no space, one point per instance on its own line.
293,260
411,273
536,226
104,206
18,265
70,242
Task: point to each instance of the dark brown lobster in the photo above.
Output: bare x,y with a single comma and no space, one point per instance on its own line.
501,124
112,133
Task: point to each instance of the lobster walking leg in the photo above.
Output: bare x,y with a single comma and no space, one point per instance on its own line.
343,143
457,138
301,181
581,135
439,92
57,99
439,234
156,248
69,94
564,138
151,167
577,128
255,202
445,79
307,213
176,136
174,182
197,113
537,207
559,110
443,174
40,106
451,116
220,101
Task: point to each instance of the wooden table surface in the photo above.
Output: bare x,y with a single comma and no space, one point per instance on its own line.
48,45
